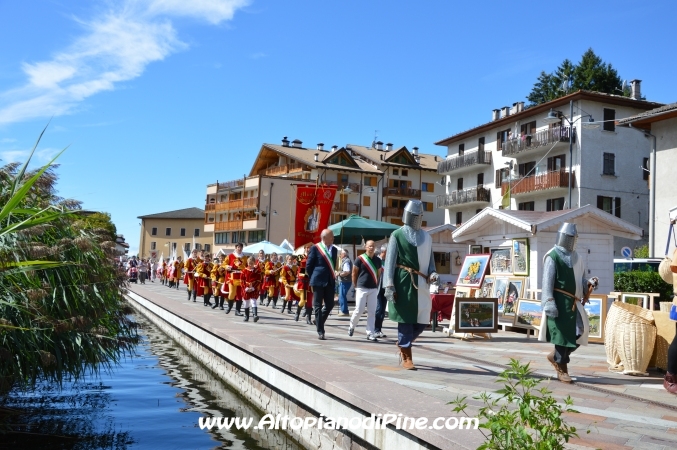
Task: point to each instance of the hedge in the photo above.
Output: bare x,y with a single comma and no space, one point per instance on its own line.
642,281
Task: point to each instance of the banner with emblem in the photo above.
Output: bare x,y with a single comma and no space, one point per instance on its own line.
313,208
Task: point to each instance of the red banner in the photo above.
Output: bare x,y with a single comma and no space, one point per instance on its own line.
313,208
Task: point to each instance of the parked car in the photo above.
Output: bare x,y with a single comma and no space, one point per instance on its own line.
643,264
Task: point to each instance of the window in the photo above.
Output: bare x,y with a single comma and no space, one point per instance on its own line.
173,246
502,176
196,233
168,231
480,145
461,149
396,171
645,168
153,231
221,238
428,187
527,129
186,247
459,184
182,232
609,120
556,163
366,201
198,247
554,204
526,169
427,206
526,206
405,173
605,203
609,164
480,179
256,236
501,138
208,247
477,211
459,218
370,181
153,245
424,223
617,207
342,180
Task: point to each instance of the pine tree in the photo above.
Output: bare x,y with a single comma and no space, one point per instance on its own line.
544,89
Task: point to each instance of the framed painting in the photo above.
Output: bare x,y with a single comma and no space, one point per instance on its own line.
487,289
500,288
636,299
473,269
520,256
514,291
478,315
501,261
463,292
596,308
475,250
528,314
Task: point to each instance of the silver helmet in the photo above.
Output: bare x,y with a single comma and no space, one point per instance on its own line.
413,214
567,235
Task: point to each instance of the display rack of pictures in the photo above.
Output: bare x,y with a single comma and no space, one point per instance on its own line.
472,271
528,314
476,315
502,283
597,309
645,300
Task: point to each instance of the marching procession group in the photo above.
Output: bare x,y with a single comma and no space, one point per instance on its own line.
242,282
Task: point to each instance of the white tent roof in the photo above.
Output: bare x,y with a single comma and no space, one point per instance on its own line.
532,222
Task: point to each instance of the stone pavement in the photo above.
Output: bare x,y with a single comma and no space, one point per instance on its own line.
621,412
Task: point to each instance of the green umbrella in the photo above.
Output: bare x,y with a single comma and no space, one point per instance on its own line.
356,228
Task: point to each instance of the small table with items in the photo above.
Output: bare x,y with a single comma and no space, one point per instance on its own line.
442,307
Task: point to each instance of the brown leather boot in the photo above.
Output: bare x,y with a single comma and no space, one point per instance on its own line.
670,383
561,369
405,358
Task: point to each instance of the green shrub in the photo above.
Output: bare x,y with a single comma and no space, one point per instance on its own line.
642,281
522,416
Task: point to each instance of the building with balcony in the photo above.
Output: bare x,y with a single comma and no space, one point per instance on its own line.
375,183
173,233
518,161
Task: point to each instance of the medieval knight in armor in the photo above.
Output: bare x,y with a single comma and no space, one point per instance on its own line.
409,268
564,292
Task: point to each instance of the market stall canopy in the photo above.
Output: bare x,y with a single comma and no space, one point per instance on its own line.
359,228
267,247
286,244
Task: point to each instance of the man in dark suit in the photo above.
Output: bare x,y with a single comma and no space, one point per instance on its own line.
321,270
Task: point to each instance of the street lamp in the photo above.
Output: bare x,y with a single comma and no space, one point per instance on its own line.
554,117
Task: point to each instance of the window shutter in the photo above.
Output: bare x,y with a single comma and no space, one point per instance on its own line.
600,202
617,207
548,205
645,165
497,180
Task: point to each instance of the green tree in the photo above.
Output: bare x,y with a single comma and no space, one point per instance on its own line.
62,311
591,74
99,221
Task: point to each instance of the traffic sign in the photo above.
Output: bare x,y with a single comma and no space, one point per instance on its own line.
626,252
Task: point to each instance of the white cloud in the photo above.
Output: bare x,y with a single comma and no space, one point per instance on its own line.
42,156
116,46
257,55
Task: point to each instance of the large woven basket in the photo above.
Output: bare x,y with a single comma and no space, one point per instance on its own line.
621,313
665,271
635,342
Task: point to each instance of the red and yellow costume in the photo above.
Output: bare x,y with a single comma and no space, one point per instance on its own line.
270,279
251,278
189,275
237,265
218,277
303,284
288,279
203,275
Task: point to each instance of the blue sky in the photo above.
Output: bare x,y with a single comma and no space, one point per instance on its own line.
157,98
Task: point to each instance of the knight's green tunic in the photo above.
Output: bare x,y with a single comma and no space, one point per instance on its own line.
405,308
562,329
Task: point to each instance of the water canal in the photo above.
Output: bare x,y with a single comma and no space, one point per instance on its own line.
153,400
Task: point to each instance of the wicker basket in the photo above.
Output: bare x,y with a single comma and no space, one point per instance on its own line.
622,313
635,342
664,270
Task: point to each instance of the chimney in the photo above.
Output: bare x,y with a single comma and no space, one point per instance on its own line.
635,93
316,155
285,142
379,145
520,107
505,111
415,151
296,143
389,146
320,147
495,114
334,148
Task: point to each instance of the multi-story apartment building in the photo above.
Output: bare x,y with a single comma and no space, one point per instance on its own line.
520,161
173,233
373,182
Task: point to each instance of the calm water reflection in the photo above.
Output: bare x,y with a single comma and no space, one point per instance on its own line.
151,401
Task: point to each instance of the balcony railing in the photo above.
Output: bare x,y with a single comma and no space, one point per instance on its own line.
341,207
464,160
406,192
230,184
391,211
210,206
541,182
233,204
225,226
538,139
284,170
470,195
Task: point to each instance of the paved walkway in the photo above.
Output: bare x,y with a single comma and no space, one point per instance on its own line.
621,412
